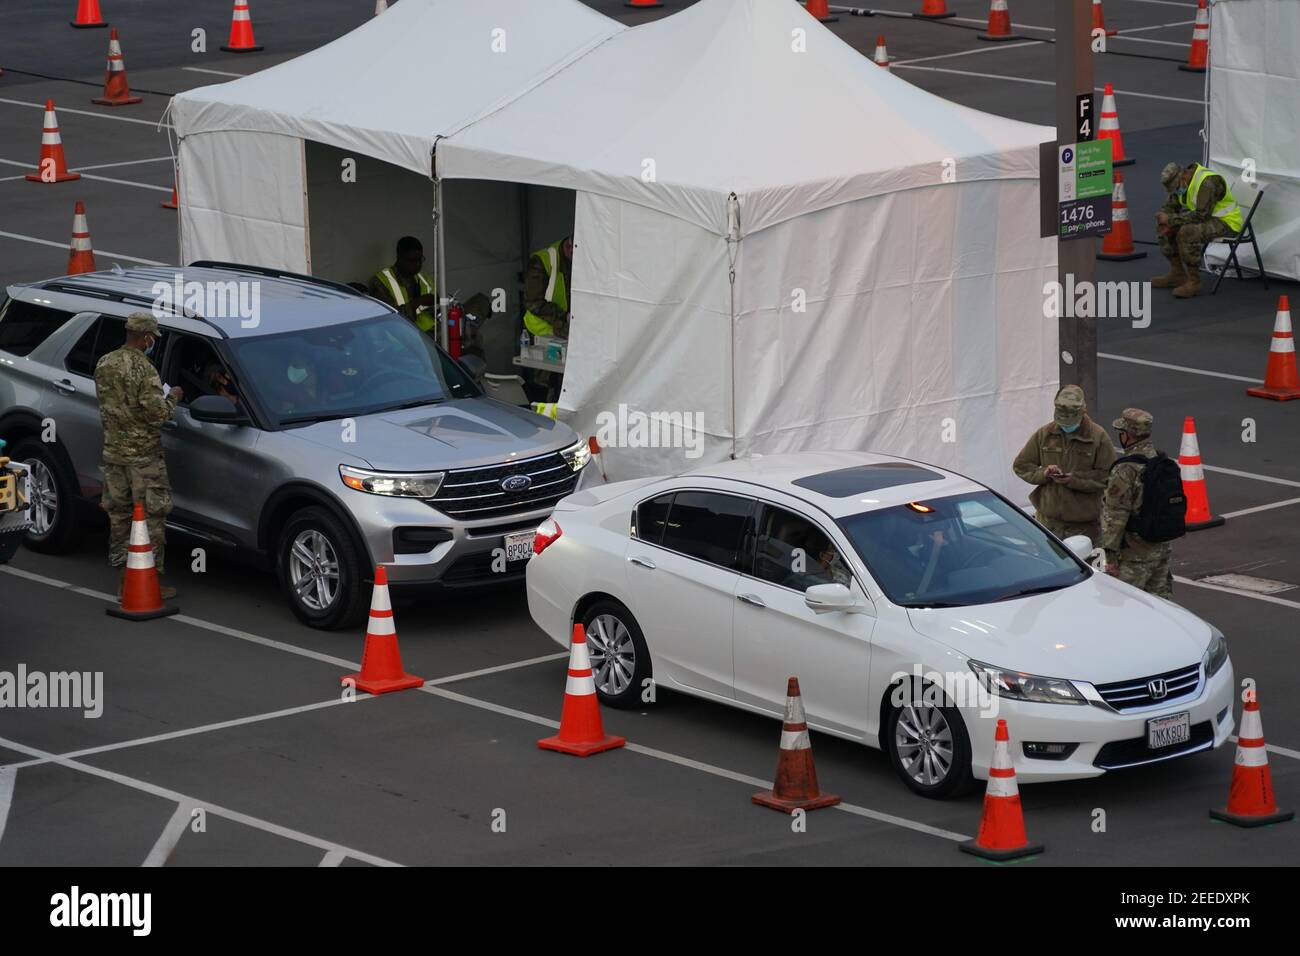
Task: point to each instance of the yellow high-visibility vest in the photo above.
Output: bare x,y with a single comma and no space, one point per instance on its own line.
556,293
1225,209
425,318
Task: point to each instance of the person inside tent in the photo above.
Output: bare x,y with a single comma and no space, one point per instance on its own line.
407,287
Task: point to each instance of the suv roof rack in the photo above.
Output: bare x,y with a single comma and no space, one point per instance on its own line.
125,297
275,274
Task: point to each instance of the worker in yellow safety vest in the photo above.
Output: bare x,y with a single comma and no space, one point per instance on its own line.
1199,208
407,287
546,289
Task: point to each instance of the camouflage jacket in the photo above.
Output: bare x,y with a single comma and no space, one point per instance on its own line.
1211,193
1121,500
131,406
1086,455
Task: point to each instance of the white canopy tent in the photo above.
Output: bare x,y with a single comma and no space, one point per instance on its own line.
1253,105
773,236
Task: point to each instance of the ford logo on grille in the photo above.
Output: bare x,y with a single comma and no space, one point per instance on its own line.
1156,688
516,483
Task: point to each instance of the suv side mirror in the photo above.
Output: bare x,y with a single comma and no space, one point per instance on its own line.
217,409
825,598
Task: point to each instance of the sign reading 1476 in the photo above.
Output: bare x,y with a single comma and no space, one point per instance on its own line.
1085,185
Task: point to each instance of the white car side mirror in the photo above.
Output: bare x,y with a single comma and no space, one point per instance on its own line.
825,598
1080,546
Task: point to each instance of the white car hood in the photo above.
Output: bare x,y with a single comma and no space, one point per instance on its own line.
1099,630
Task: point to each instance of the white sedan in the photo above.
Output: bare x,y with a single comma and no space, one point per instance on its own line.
915,605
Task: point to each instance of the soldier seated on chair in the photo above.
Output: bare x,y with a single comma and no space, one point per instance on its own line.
1198,208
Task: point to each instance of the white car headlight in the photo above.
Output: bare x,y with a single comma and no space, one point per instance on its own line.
421,484
1020,686
1216,655
577,454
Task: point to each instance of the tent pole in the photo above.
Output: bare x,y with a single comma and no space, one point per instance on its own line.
733,252
440,257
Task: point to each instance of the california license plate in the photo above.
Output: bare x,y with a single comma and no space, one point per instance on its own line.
519,546
1168,731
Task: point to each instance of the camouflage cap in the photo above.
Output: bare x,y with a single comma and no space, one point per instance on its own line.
1169,175
1070,405
142,322
1135,421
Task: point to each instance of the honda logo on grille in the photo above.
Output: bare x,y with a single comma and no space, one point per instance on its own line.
1156,688
516,483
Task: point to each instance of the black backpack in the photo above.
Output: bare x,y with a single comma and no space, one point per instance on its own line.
1163,514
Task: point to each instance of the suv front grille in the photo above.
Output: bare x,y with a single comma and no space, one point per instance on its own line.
1135,694
472,494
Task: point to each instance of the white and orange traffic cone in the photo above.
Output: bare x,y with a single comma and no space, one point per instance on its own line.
582,732
117,92
88,15
241,30
381,660
821,10
1281,381
1108,128
1002,828
1194,490
795,785
1117,245
999,27
934,10
882,54
594,447
53,167
1099,20
141,597
1198,55
174,202
1250,797
81,258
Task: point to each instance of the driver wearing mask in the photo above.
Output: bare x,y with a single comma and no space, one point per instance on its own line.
298,391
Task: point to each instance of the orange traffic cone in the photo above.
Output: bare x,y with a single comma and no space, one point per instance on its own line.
594,447
643,4
81,257
581,731
174,202
381,661
795,786
882,55
999,23
241,31
141,598
1099,20
821,10
116,90
1002,828
1281,382
1199,53
53,167
935,10
1108,128
1198,499
88,15
1250,797
1117,245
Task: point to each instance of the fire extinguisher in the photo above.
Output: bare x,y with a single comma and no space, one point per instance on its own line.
455,325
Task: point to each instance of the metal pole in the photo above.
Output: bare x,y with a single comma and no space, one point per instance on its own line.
1076,257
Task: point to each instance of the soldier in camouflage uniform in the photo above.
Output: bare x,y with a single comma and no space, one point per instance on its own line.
1140,563
133,409
1068,461
1183,232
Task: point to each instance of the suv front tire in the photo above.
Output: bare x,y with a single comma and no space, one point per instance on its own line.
321,570
54,525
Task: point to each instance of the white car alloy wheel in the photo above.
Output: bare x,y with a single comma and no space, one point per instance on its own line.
613,655
923,741
927,741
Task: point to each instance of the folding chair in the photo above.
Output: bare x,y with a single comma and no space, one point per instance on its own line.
1247,234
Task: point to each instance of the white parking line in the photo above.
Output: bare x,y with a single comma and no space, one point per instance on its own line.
332,858
1280,751
1025,79
1179,368
8,776
175,796
199,69
992,48
1258,508
1246,594
1250,474
69,110
129,162
100,179
1158,26
171,835
102,253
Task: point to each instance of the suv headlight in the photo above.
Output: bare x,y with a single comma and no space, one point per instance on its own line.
577,454
1216,655
1020,686
420,484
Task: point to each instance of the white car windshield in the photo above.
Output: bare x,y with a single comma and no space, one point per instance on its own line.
960,550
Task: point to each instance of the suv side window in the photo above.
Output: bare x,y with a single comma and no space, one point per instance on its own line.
710,526
651,517
23,326
791,551
106,334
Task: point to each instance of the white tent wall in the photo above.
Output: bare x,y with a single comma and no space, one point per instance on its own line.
242,199
1254,88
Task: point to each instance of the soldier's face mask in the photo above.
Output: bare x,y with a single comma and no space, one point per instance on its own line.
296,374
1071,429
148,349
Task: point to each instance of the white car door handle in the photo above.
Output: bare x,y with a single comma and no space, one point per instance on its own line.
753,599
642,562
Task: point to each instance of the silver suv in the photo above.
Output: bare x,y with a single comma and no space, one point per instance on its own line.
321,431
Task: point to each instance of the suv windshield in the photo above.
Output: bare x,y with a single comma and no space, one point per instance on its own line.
965,549
343,370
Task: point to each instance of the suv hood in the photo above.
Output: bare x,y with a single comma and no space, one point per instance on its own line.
462,433
1098,630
